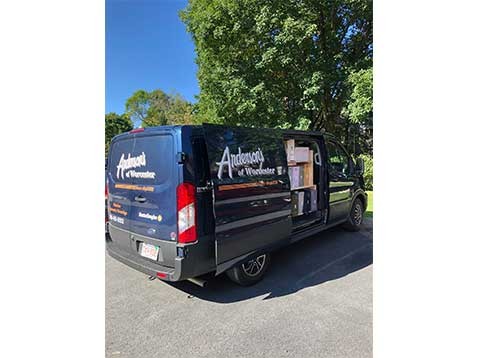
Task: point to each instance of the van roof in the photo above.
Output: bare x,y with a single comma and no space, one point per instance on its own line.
179,126
150,130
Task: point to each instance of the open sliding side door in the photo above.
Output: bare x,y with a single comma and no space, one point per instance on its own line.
251,191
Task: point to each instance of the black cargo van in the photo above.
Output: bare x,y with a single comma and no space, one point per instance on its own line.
184,201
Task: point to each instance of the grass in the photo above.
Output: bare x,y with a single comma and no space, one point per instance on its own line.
369,212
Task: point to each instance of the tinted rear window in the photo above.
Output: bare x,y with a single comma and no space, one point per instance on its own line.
142,160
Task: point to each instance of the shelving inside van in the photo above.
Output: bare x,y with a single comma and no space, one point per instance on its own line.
302,169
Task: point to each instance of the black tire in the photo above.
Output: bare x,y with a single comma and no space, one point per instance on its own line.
251,272
355,218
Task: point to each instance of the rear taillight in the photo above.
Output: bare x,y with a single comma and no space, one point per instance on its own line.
136,130
186,204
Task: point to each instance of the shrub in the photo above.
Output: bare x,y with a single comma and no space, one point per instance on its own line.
368,173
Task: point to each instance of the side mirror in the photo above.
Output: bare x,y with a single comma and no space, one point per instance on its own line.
359,166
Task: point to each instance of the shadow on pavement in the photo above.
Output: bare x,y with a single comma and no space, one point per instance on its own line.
327,256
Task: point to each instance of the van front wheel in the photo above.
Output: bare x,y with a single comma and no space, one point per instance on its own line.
250,272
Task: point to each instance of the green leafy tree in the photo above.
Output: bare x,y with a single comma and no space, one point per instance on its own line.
278,63
115,124
138,105
360,106
180,111
158,108
357,124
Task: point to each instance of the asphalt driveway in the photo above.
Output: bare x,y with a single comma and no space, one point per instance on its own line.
315,301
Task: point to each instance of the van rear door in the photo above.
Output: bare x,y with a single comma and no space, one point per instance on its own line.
251,190
144,174
119,197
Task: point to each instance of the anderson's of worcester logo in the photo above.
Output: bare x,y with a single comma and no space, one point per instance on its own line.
126,166
243,163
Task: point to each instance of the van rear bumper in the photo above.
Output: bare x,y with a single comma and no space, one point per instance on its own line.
143,265
198,259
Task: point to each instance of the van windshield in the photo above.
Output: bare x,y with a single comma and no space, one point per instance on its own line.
142,160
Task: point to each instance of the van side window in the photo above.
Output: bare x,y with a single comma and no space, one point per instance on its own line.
338,160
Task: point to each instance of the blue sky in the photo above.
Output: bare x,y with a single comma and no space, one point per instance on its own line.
147,47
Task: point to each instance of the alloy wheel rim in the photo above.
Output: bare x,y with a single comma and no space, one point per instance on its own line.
254,267
357,214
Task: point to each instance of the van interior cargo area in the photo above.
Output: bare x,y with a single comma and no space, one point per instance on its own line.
303,158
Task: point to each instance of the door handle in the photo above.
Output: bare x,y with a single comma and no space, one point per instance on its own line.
140,199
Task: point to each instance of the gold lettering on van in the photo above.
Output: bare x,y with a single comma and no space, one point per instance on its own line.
134,187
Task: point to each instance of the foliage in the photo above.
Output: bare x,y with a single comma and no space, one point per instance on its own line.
360,105
279,63
138,105
369,212
157,108
368,173
115,124
355,126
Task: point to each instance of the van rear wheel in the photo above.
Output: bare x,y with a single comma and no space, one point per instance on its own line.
250,272
355,218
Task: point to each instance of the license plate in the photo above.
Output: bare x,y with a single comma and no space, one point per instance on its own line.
149,251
